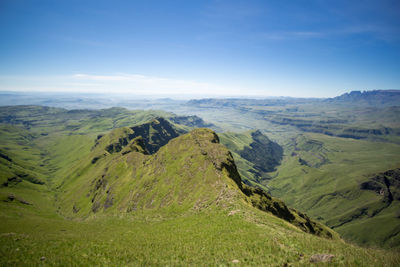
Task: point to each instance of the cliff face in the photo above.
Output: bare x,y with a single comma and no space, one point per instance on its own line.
264,153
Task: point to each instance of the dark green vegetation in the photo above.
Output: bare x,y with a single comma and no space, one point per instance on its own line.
254,154
386,184
93,187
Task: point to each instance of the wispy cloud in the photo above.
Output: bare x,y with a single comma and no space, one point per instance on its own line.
117,83
101,77
143,84
82,41
385,33
231,10
290,35
375,31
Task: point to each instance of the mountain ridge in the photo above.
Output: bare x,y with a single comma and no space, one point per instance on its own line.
127,182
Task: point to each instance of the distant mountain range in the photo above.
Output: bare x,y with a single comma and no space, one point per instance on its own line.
372,98
381,98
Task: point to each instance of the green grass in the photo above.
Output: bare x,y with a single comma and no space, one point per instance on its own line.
205,238
383,228
331,191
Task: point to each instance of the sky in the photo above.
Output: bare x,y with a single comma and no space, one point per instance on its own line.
298,48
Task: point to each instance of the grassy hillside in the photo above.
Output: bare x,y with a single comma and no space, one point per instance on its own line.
181,204
191,172
211,237
205,238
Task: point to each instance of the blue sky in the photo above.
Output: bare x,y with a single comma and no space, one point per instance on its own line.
306,48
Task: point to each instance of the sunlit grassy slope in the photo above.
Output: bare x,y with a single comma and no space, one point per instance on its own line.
210,237
192,171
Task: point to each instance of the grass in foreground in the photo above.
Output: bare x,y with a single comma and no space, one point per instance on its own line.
206,238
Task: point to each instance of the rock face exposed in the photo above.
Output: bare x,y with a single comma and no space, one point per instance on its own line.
255,154
153,135
321,258
192,121
387,184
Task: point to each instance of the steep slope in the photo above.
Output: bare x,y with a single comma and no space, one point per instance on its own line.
255,154
153,135
265,154
19,157
192,121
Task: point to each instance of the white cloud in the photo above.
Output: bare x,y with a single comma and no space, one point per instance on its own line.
151,85
378,32
291,35
101,77
119,84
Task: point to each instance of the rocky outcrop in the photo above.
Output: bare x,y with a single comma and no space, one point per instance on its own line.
386,184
